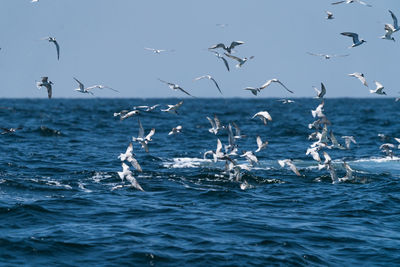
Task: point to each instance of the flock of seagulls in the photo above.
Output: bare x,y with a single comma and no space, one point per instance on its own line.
323,138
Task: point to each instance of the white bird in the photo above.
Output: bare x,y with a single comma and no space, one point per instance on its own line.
274,80
320,93
210,78
173,108
216,125
238,59
156,51
218,55
229,48
378,90
238,134
53,40
352,1
349,173
334,141
286,101
10,130
389,30
87,90
124,114
264,116
175,87
356,40
359,76
318,111
328,164
387,149
290,164
126,173
147,108
175,130
260,144
327,56
250,157
348,140
142,139
46,83
329,15
129,156
313,151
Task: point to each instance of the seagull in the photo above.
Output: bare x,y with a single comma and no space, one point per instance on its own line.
318,111
320,94
389,30
378,90
240,60
290,164
229,48
156,51
264,116
286,101
329,15
327,56
250,157
175,130
210,78
10,130
260,144
395,25
129,156
274,80
348,140
328,164
46,83
87,90
359,76
175,87
352,1
218,55
356,41
387,149
313,151
124,114
172,108
142,139
147,108
349,173
238,134
334,141
53,40
216,125
128,174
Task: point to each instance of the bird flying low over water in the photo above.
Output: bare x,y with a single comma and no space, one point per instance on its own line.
129,156
46,83
238,59
260,144
227,48
126,173
274,80
123,114
53,40
176,130
290,164
351,1
210,78
264,116
147,108
378,90
10,130
87,90
359,76
144,140
172,108
356,40
175,87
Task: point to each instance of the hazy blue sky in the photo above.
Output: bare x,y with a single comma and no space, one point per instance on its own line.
102,41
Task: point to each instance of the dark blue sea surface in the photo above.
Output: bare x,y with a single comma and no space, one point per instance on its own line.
57,206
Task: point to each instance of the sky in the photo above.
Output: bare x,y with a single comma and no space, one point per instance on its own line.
103,41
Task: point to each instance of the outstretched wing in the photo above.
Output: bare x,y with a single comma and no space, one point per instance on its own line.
290,91
335,3
216,84
352,35
58,49
81,86
226,63
395,23
233,57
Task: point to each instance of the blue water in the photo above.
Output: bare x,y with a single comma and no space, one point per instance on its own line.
57,206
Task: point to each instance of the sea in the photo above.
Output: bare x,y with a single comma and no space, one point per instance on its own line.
62,202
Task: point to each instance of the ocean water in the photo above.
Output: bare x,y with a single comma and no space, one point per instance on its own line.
57,206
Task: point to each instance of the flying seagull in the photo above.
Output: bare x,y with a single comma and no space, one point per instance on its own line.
143,140
87,90
175,87
172,108
129,156
356,41
352,1
320,94
290,164
260,144
123,114
378,90
155,51
348,140
389,30
285,101
229,48
126,173
240,60
176,130
216,125
10,130
267,83
210,78
53,40
264,116
218,55
147,108
329,15
327,56
395,25
359,76
46,83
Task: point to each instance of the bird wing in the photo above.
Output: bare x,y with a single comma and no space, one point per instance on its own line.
216,84
45,79
220,45
58,49
266,84
150,134
293,167
253,90
180,88
233,57
135,163
141,130
378,85
363,3
129,149
290,91
212,122
217,122
201,77
219,147
339,2
237,129
323,90
235,43
352,35
318,55
150,49
81,86
259,141
225,62
100,86
49,90
395,23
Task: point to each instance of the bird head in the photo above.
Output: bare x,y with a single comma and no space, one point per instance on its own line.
393,39
363,41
